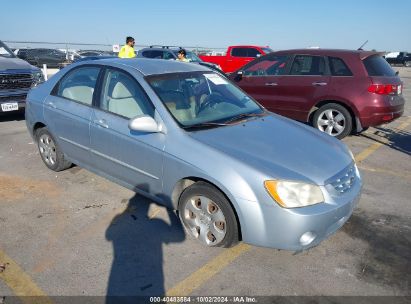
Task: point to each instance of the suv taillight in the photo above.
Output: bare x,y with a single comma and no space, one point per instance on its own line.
385,89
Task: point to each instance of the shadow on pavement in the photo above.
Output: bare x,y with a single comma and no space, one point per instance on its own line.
10,116
137,269
395,139
387,259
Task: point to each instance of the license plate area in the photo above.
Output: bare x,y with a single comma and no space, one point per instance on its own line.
10,106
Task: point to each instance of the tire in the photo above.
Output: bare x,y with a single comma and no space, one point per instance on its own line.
407,63
50,152
333,119
207,216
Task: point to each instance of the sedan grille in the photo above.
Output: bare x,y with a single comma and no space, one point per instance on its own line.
343,181
15,81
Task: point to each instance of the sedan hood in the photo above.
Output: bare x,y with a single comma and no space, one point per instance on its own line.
280,148
14,64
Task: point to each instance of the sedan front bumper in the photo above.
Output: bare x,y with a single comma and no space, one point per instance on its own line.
269,225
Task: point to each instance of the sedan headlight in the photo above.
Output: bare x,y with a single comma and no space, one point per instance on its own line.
289,194
38,78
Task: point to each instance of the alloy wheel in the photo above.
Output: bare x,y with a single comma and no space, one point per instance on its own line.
47,149
331,121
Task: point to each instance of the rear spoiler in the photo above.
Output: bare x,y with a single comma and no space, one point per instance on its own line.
366,54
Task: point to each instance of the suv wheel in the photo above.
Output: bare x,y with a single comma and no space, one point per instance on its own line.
333,119
407,63
208,216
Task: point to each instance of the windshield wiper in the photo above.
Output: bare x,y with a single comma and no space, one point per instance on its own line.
245,115
205,125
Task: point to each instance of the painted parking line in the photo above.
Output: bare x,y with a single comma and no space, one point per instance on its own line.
19,282
385,171
199,277
202,275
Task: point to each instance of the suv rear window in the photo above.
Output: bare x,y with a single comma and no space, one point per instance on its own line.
378,66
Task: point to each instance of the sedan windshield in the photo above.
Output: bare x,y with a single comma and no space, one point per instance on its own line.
5,51
203,99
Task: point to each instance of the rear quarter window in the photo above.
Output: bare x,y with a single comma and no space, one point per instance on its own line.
378,66
338,67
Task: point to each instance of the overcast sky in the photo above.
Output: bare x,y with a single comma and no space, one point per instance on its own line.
210,23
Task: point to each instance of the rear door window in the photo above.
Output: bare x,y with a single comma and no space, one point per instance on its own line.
338,67
168,55
153,54
239,52
378,66
308,65
79,85
245,52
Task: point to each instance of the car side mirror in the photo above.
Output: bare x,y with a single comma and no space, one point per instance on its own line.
144,123
258,55
397,73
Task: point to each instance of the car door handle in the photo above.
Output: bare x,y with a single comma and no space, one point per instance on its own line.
51,104
101,123
320,84
271,84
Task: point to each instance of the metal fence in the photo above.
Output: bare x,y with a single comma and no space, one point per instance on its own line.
76,46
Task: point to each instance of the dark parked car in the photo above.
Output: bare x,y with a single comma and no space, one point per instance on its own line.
16,79
39,56
336,91
403,58
95,53
170,53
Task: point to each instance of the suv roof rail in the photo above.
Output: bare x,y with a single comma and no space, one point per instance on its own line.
165,46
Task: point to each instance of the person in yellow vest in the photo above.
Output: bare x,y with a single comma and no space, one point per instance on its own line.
127,51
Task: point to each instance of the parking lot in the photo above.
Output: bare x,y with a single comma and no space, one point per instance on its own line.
74,233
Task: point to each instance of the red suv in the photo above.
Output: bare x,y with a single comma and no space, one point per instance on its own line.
336,91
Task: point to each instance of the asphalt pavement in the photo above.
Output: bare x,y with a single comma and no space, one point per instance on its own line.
74,233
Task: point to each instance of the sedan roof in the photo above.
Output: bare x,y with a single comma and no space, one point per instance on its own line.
153,66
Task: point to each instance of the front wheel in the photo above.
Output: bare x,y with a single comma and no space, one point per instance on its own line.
333,119
208,216
407,63
50,152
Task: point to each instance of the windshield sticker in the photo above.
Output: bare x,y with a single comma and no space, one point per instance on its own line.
214,78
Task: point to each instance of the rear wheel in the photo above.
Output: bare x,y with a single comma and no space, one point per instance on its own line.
208,216
50,152
333,119
407,63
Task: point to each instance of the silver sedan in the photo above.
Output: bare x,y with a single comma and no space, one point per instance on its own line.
189,139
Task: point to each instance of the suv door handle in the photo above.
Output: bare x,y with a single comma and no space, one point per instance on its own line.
51,104
320,84
271,84
101,123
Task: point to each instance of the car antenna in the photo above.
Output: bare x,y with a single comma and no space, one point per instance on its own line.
360,48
